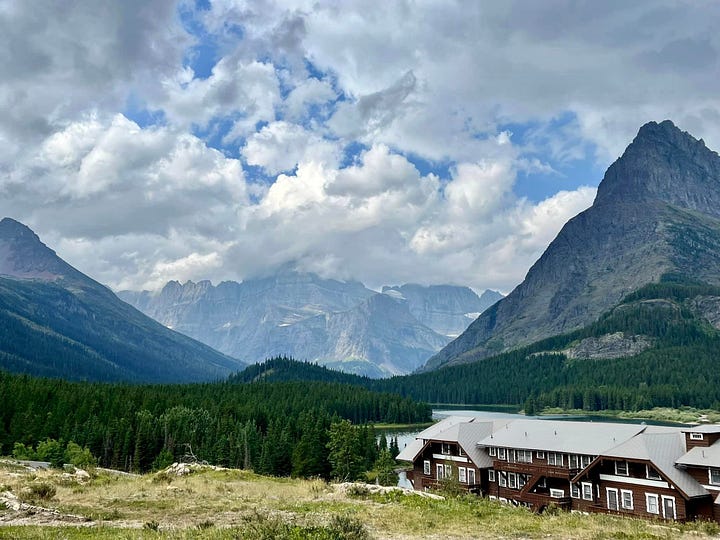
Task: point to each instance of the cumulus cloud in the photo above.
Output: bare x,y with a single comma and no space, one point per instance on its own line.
474,92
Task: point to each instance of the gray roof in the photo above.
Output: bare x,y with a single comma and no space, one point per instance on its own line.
410,452
703,428
589,438
661,447
465,430
702,457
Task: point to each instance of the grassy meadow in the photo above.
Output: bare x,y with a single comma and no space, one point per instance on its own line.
233,504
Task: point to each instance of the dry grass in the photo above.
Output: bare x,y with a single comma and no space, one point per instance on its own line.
238,504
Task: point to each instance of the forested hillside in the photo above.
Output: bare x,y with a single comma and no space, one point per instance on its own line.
681,365
278,428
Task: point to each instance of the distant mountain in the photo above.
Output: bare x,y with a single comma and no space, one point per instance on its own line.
339,324
57,322
446,309
657,212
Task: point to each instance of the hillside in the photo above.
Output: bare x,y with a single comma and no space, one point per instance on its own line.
657,211
57,322
656,348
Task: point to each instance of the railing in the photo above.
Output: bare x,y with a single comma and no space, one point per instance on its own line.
432,483
552,471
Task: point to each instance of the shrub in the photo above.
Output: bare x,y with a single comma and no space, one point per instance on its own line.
40,490
151,525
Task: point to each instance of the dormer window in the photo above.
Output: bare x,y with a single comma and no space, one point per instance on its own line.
651,473
621,468
445,449
696,436
492,451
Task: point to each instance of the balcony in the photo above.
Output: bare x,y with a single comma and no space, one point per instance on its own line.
540,469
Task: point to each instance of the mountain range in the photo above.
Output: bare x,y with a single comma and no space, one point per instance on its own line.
57,322
339,324
656,214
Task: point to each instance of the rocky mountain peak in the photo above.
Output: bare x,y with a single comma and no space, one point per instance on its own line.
23,255
666,164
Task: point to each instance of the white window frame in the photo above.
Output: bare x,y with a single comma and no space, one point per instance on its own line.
426,467
445,449
651,473
573,461
574,491
696,436
462,475
540,454
522,480
656,498
557,493
585,461
491,475
607,498
556,459
461,452
512,480
492,451
502,454
471,476
631,503
502,479
663,498
587,491
524,456
716,473
440,470
448,471
619,472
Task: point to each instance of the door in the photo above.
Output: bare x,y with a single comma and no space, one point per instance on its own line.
669,507
612,499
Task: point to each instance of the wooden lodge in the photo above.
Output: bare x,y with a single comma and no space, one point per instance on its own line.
653,472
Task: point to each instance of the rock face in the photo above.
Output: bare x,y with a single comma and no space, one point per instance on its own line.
657,211
609,346
343,325
57,322
447,310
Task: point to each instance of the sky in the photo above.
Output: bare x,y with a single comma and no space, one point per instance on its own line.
433,142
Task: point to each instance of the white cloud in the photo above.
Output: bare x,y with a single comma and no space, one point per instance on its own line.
280,146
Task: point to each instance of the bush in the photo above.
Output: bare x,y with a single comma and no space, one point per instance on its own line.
43,491
151,525
80,457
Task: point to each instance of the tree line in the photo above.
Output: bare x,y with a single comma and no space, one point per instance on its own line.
272,428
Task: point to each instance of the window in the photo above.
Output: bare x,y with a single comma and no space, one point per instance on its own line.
524,456
448,471
574,461
492,451
696,436
612,498
585,461
574,491
651,473
540,455
440,471
462,477
651,503
426,467
668,507
626,499
461,452
502,478
557,493
522,480
512,481
555,459
587,491
714,475
471,476
501,453
491,475
445,449
621,468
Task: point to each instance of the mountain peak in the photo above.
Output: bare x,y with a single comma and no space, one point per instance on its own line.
23,255
665,164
